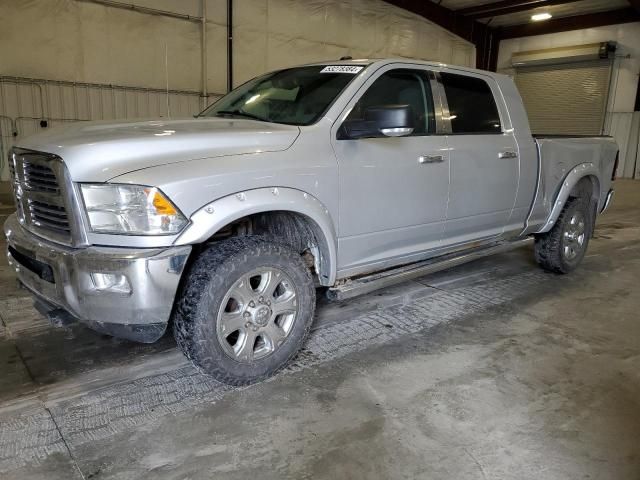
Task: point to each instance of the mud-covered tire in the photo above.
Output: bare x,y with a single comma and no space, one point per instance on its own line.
224,268
551,247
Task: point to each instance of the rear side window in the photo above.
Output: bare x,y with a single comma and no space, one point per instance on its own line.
472,107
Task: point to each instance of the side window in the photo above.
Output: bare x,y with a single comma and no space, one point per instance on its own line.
472,108
401,87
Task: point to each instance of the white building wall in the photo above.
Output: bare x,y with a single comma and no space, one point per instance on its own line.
83,41
622,122
100,62
270,34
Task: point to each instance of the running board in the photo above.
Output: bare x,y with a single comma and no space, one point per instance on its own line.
367,284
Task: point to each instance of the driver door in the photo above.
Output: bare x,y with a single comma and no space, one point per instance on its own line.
393,190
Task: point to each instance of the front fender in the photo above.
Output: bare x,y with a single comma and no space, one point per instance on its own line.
212,217
571,180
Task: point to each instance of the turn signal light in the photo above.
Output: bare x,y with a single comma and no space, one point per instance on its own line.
161,204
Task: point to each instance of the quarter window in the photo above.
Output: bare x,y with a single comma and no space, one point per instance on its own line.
472,108
401,87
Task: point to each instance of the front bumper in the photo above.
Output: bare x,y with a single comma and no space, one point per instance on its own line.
62,277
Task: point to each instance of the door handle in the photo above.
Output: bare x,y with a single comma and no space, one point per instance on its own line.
507,155
430,159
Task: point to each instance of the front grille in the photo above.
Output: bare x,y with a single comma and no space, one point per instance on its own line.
38,182
49,216
40,178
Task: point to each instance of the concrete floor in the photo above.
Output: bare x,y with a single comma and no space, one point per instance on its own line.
494,370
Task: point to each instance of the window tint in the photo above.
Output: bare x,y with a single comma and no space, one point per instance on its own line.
401,87
472,108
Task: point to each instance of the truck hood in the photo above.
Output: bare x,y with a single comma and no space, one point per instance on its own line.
100,151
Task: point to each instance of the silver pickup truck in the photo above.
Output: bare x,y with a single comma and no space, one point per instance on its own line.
337,177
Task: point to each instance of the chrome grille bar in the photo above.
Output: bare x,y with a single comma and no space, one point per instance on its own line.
39,178
49,216
40,189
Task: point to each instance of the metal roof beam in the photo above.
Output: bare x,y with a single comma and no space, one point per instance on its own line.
565,24
506,7
635,4
445,18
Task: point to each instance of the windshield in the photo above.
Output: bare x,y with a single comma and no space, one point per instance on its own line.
295,96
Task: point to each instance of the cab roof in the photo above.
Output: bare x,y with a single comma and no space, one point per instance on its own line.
379,62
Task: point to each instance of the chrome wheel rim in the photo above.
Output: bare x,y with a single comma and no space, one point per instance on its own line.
257,314
574,236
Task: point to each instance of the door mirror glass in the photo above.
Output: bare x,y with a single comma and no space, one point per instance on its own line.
379,121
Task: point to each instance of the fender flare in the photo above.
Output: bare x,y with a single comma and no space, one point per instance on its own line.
215,215
570,181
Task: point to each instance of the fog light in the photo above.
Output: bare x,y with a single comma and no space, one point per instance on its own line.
111,282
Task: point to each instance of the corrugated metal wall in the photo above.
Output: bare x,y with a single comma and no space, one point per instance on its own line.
26,103
99,44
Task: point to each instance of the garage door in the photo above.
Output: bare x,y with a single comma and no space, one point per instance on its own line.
568,99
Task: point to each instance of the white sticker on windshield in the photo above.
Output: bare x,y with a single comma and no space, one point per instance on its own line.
353,69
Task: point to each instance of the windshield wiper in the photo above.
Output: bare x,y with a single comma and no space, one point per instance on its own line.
241,114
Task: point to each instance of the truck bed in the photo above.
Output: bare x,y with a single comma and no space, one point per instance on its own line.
558,155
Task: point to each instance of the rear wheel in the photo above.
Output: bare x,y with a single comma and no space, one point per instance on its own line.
246,309
562,248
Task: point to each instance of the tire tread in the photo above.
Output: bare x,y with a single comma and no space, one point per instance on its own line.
211,267
548,246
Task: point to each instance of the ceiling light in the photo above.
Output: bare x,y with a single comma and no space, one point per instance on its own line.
541,16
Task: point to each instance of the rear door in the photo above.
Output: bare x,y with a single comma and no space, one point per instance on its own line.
393,190
484,158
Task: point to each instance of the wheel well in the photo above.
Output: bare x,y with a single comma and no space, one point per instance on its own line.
294,229
589,188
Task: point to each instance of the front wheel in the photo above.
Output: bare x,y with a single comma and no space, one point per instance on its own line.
245,310
561,249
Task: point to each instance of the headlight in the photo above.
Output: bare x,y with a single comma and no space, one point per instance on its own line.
130,209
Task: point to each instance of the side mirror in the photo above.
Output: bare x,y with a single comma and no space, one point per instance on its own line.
379,121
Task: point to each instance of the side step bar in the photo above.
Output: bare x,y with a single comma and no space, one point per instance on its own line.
362,285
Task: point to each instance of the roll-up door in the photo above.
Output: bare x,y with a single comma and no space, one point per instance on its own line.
567,99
